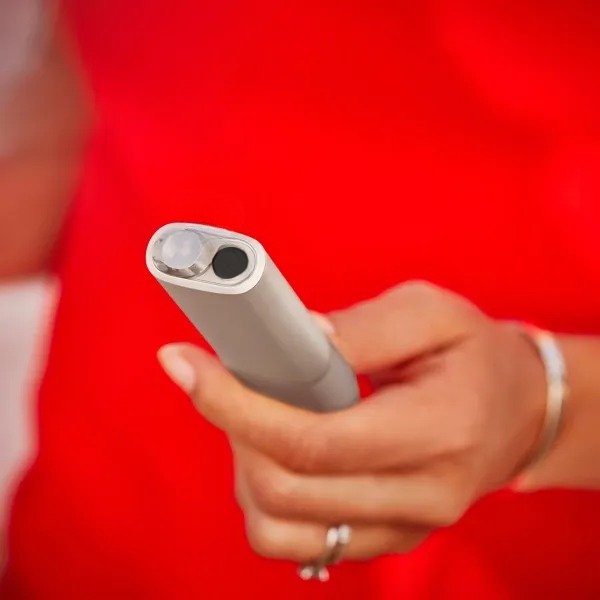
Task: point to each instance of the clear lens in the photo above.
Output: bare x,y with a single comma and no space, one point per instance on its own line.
184,253
181,250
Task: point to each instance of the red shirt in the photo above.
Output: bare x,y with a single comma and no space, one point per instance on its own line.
459,141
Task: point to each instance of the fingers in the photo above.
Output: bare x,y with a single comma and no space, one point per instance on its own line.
302,538
305,542
258,420
419,499
400,425
397,426
405,322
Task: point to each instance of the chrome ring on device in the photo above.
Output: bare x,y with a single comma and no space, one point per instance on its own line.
336,540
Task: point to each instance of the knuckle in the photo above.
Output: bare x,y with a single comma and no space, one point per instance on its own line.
309,453
262,537
272,489
239,493
434,299
449,498
447,511
417,290
406,542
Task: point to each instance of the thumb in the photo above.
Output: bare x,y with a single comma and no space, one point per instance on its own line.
257,420
403,323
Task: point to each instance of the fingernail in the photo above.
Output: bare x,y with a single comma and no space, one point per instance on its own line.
177,367
324,323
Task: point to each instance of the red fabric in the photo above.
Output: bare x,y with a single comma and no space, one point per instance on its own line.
458,139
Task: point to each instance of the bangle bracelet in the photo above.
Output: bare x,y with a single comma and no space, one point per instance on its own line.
553,360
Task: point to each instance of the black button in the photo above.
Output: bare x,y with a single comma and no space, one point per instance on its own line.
229,262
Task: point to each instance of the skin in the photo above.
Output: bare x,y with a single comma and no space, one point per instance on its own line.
46,119
44,122
457,412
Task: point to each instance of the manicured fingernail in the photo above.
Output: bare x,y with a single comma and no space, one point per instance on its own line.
177,367
324,323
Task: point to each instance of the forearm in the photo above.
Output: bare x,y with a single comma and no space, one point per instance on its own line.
574,460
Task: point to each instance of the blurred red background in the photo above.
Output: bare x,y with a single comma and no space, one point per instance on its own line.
456,139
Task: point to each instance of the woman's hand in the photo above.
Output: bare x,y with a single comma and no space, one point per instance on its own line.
457,411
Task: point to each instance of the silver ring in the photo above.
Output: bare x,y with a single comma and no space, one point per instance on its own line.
336,539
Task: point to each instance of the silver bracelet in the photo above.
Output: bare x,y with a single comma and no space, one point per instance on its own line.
553,360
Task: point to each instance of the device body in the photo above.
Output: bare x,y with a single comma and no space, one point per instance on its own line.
251,316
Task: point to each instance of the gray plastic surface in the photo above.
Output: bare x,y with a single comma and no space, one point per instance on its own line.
266,337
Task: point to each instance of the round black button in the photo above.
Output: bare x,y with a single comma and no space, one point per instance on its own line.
229,262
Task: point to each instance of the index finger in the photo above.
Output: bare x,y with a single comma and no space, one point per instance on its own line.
394,427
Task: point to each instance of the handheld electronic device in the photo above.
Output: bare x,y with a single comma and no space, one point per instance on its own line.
233,293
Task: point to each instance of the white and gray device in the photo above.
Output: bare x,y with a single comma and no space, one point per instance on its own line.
233,293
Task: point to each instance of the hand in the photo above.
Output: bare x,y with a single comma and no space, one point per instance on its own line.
457,410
